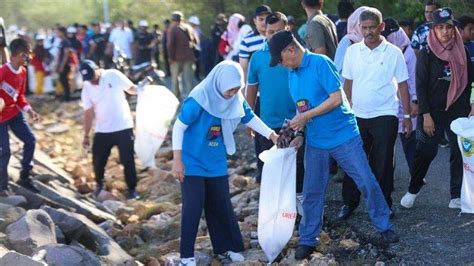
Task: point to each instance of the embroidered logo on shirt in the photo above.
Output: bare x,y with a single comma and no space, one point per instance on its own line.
446,73
302,105
214,132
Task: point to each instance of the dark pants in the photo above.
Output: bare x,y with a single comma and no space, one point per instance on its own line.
378,135
409,147
22,130
103,143
266,144
64,79
212,195
427,148
258,148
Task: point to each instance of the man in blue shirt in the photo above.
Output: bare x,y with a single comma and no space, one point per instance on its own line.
331,132
275,100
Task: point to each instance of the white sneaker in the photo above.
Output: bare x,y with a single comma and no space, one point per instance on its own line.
231,256
455,203
408,200
187,262
299,203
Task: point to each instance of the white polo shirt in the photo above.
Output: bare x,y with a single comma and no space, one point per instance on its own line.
111,109
375,74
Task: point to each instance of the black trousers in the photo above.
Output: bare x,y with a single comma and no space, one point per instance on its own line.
212,195
266,144
379,135
103,143
427,148
64,79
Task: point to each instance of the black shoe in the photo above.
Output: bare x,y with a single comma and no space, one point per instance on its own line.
303,251
26,183
345,212
132,195
390,236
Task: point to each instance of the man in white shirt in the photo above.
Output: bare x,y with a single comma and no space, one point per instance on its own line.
103,98
121,39
374,70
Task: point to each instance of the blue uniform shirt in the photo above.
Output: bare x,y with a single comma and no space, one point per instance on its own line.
275,99
204,153
310,85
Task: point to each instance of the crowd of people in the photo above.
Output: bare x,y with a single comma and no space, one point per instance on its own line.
346,88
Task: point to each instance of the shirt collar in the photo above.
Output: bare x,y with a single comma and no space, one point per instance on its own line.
318,12
382,46
304,61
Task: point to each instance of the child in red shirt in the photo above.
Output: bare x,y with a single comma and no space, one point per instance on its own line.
12,105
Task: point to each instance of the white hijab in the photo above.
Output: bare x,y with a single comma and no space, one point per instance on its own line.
210,95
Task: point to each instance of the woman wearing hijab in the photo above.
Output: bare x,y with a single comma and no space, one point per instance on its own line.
202,135
236,28
397,36
353,36
443,75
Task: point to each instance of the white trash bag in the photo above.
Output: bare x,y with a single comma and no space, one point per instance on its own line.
464,128
277,209
156,107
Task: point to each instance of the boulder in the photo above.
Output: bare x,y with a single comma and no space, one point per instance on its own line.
9,214
32,230
14,200
14,258
59,254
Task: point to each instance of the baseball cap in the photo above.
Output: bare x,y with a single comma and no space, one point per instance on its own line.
194,20
88,69
391,25
71,29
277,43
143,23
176,15
263,9
442,16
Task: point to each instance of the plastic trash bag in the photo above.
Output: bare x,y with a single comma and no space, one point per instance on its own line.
464,128
156,107
277,209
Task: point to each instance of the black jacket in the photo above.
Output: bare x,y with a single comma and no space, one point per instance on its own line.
433,77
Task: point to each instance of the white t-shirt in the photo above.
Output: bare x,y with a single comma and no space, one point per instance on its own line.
122,39
375,74
111,109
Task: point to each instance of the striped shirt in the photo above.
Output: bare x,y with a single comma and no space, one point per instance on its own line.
252,42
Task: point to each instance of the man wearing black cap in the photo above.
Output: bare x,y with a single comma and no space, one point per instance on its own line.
321,33
331,132
103,98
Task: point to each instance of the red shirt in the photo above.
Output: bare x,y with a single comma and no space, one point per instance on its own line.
12,91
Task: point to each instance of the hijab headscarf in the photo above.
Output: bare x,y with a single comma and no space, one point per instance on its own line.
399,39
353,29
454,53
209,94
233,28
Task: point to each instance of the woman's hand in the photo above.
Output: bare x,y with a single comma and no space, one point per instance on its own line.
428,125
178,169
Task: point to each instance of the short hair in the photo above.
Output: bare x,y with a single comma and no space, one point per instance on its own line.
313,3
345,8
19,45
371,13
464,21
406,23
62,29
432,3
276,17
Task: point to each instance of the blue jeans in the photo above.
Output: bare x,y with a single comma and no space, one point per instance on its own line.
22,130
350,156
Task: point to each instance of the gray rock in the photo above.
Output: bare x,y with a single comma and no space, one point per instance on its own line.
9,214
173,259
14,258
14,200
92,213
3,251
32,230
113,205
79,228
59,254
60,237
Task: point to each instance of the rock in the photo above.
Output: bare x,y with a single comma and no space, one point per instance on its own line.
107,226
325,238
14,200
32,230
42,159
92,213
349,244
60,237
3,251
161,230
57,128
146,209
91,236
173,259
9,214
165,153
34,200
113,205
14,258
240,181
59,254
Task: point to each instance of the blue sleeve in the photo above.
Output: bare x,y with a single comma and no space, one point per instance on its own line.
190,111
249,114
252,75
328,75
